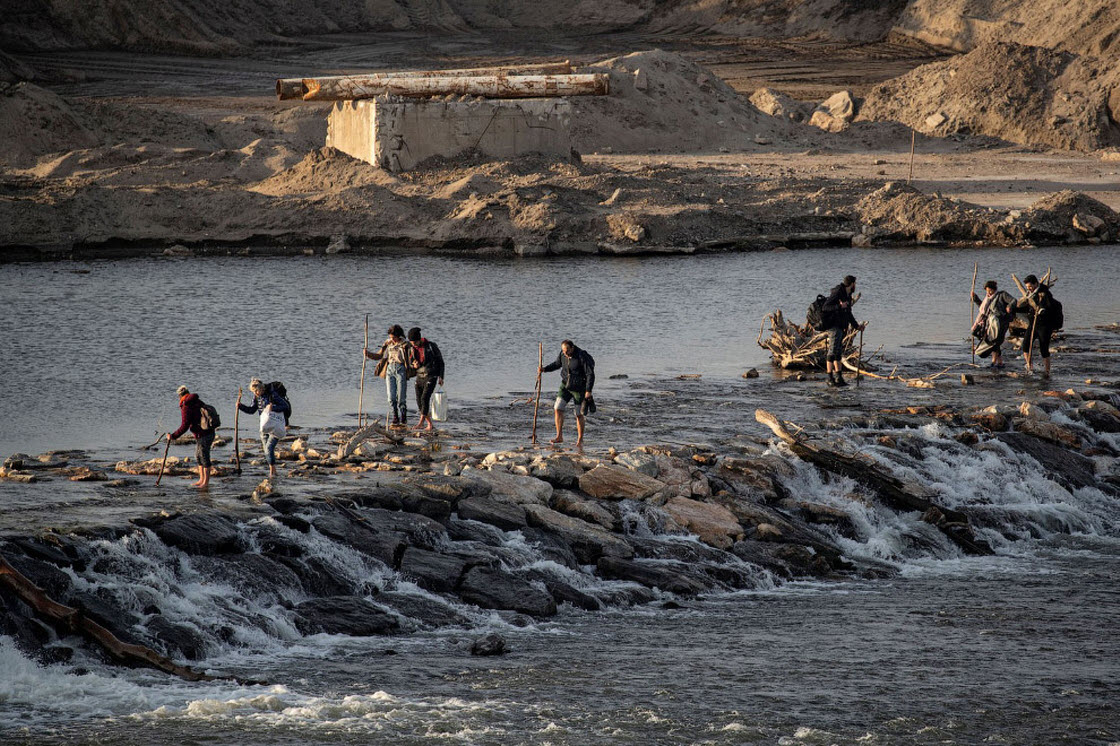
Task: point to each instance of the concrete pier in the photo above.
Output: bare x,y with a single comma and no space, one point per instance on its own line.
398,135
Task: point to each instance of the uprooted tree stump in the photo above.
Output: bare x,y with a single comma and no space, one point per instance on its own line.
796,347
895,493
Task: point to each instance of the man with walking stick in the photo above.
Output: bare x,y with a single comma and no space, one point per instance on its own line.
838,317
577,378
1046,318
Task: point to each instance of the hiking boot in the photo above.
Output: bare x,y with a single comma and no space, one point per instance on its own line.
840,381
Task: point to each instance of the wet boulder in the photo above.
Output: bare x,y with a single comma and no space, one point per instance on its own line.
54,582
513,488
493,589
449,488
422,612
418,530
558,470
177,640
639,461
563,592
1100,416
504,515
1070,468
491,644
386,546
431,570
606,482
588,541
318,577
712,524
670,576
569,503
551,546
344,615
1047,431
200,533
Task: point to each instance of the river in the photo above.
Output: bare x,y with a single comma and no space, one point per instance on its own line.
1019,648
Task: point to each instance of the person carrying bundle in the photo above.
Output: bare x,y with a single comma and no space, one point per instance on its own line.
271,400
837,313
1045,317
992,321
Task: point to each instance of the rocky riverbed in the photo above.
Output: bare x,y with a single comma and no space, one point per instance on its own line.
389,536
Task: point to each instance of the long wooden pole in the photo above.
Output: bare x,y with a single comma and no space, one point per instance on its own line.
362,386
487,86
913,136
859,373
289,88
1030,342
163,464
537,402
237,431
971,306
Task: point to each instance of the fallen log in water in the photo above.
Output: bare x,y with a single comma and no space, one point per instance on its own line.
290,88
365,433
894,492
486,86
69,620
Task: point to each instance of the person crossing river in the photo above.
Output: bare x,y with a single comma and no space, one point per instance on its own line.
577,378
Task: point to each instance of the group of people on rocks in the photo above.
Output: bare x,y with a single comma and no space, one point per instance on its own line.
997,310
401,357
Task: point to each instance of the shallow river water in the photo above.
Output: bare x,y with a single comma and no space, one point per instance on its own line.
94,351
1019,648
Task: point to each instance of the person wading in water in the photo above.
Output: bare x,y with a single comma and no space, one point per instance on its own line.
191,407
577,378
992,320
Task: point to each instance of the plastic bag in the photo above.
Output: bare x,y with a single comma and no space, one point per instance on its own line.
439,406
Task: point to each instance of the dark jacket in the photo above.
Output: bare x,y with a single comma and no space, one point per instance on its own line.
191,407
432,365
279,404
836,317
1041,301
577,372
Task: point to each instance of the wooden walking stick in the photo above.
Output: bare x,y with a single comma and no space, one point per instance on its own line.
163,464
859,360
971,305
537,402
237,431
362,386
1030,342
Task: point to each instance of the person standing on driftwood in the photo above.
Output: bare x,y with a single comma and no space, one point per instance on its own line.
427,361
577,378
992,320
191,407
275,411
1042,321
393,365
838,317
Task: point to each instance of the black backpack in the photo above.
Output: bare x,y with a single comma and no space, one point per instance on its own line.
208,418
279,388
815,317
1057,315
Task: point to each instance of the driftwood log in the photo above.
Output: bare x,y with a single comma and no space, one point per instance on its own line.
291,88
366,433
68,620
800,347
486,86
895,493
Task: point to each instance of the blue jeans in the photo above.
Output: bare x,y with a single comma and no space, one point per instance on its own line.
397,391
268,443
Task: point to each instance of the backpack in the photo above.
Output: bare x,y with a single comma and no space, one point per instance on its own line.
208,418
1057,316
815,317
280,390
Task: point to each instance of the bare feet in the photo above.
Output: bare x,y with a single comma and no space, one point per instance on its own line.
557,439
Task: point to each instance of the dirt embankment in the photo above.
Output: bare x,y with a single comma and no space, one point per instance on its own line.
1022,94
101,175
1086,27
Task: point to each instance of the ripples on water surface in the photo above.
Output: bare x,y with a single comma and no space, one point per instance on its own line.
95,358
1016,649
